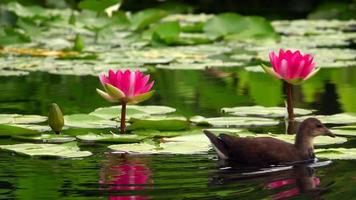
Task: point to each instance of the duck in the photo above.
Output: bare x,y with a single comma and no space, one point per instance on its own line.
267,151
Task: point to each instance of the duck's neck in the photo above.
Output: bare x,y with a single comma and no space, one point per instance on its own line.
304,143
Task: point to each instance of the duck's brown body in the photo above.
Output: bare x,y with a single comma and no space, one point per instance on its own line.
268,150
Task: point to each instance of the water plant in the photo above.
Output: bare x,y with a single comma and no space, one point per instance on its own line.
293,68
126,87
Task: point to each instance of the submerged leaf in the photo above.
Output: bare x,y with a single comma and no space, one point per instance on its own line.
160,123
110,138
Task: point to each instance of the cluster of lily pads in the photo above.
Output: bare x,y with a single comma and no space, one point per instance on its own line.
159,130
87,43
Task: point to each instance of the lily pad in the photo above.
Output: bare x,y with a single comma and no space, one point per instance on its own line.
160,134
9,130
349,127
234,122
318,141
67,150
111,138
132,111
115,111
46,138
262,111
232,131
160,123
165,148
336,153
341,118
21,119
344,132
88,121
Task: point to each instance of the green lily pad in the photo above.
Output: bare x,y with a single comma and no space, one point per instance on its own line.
9,130
67,150
349,127
160,134
111,138
160,123
46,138
344,132
262,111
232,131
336,153
115,112
21,119
234,122
88,121
165,148
341,118
318,141
132,111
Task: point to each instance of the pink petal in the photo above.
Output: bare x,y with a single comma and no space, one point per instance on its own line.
274,61
283,69
140,83
103,79
124,82
306,71
147,87
112,77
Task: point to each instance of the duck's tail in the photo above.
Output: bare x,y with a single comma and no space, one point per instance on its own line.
218,145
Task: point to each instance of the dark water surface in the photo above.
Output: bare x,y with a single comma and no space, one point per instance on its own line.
111,176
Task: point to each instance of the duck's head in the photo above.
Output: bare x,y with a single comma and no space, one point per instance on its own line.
313,127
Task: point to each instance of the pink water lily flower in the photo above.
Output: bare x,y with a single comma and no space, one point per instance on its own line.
126,86
292,67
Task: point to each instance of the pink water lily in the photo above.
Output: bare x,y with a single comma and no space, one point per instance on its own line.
126,86
292,67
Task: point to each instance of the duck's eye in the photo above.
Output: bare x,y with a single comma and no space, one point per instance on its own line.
319,125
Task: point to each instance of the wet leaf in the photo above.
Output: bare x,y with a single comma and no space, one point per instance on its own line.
97,5
344,132
336,153
9,130
21,119
88,121
161,134
262,111
318,141
46,138
234,122
341,118
68,150
142,19
111,138
161,123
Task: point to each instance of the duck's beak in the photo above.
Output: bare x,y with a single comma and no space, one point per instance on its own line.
329,133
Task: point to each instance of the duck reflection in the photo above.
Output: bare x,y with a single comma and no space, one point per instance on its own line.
126,176
282,182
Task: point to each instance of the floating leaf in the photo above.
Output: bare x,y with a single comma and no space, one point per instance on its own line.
21,119
132,111
344,132
142,19
9,130
67,150
97,5
232,131
236,122
262,111
336,153
318,141
88,121
342,118
46,138
111,138
156,133
160,123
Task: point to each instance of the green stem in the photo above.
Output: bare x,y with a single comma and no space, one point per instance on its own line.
123,118
289,92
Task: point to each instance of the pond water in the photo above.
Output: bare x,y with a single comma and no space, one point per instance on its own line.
112,176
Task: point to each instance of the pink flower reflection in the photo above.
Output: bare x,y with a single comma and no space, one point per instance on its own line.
314,181
129,175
